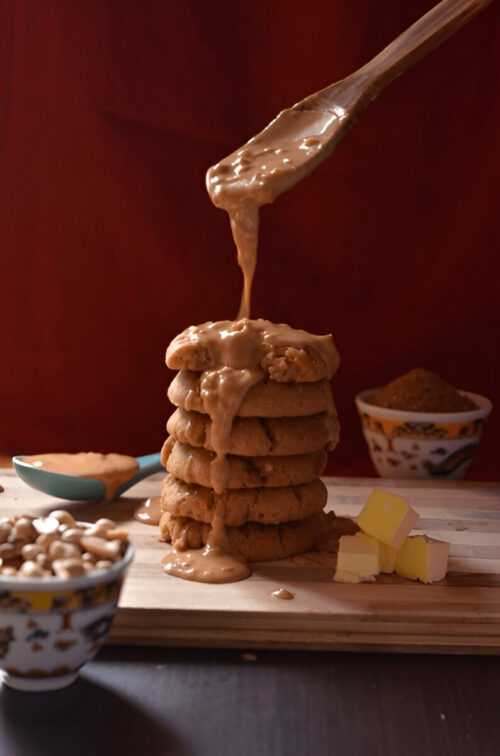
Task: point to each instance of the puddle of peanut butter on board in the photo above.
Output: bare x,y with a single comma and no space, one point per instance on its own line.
283,593
111,469
149,512
215,563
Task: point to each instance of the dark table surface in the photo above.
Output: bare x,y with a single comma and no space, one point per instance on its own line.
156,701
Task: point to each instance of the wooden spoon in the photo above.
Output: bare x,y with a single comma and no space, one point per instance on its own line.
299,138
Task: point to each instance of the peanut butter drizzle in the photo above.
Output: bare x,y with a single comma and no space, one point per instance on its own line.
111,469
222,391
245,343
150,512
215,563
288,149
283,593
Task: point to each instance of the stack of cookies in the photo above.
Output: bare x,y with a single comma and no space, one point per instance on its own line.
276,445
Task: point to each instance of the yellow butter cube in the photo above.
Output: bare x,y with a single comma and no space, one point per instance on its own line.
387,556
357,557
367,539
387,517
423,558
344,576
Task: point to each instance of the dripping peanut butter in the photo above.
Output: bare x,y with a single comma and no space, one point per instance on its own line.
268,164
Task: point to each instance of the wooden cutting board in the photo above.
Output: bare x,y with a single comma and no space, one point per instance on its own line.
459,615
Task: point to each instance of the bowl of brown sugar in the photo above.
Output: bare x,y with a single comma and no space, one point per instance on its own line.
420,426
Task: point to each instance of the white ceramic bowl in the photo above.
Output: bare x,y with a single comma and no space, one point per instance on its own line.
435,445
50,627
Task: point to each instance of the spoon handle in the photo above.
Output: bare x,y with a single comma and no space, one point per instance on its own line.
416,42
148,465
419,39
150,460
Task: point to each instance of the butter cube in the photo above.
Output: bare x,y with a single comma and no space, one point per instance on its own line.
344,576
387,517
357,560
423,558
387,556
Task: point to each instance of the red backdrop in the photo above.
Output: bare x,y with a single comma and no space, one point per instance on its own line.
110,113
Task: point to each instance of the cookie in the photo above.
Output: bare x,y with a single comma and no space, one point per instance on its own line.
255,542
259,437
264,505
283,353
193,465
265,399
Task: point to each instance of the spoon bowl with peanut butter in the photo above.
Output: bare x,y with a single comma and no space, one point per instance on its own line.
86,476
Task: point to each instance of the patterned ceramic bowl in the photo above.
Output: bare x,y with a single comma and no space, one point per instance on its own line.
421,444
50,627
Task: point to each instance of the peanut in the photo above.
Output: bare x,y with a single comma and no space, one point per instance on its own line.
46,525
10,550
72,535
8,571
45,539
117,534
118,547
30,551
67,568
44,561
5,528
61,550
96,531
100,547
105,524
103,548
63,517
30,569
16,537
26,529
90,558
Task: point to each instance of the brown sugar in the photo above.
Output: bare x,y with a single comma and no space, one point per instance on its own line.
420,390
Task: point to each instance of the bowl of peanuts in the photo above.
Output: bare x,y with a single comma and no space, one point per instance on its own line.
60,581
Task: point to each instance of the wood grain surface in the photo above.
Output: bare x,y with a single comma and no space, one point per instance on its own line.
459,615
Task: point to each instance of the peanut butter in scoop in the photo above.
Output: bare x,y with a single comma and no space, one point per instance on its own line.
111,469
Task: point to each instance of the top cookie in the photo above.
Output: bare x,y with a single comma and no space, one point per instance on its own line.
279,351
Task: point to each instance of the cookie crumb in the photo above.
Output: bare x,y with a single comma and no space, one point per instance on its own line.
249,657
